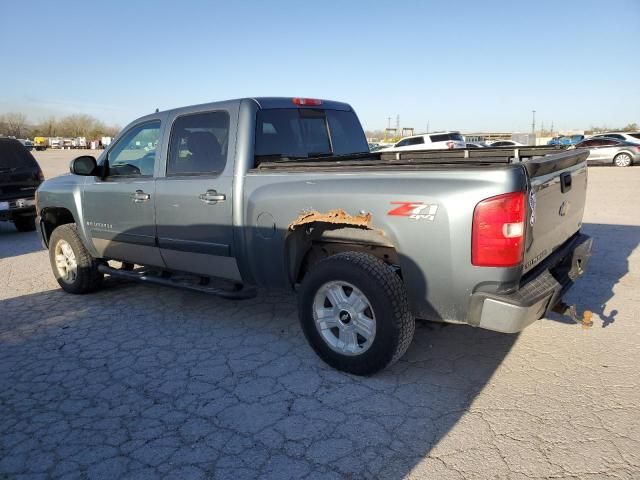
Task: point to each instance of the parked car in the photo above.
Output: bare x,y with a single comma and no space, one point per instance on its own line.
28,144
428,141
475,145
566,140
633,137
505,143
611,151
284,193
20,176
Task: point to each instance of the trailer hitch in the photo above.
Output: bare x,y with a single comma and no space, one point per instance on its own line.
571,312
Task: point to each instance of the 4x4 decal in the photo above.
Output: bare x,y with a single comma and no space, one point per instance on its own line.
414,210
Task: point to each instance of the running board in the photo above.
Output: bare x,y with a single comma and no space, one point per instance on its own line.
151,277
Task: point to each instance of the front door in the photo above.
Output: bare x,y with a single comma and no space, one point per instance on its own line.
119,212
194,199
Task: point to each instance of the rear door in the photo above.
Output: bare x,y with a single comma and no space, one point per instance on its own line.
603,151
194,197
119,210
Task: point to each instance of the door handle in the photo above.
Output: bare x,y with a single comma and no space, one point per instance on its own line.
565,182
211,197
140,196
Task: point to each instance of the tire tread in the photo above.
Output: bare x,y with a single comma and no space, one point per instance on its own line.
89,278
395,293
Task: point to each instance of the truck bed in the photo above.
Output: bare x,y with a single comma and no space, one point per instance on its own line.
422,158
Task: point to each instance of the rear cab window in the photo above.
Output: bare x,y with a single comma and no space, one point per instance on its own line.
307,132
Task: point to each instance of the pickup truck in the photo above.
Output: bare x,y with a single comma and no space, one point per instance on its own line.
284,193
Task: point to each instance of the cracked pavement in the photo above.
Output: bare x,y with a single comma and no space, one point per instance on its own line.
140,381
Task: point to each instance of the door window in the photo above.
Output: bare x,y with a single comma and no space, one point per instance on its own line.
199,144
134,155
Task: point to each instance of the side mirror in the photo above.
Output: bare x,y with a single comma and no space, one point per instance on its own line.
85,165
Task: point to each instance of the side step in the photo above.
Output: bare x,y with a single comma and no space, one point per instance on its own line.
147,276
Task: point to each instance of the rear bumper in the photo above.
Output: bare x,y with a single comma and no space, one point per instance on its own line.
20,207
511,313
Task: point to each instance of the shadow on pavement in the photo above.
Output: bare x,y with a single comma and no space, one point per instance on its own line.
14,243
612,247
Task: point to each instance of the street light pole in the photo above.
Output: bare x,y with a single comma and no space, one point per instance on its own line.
533,123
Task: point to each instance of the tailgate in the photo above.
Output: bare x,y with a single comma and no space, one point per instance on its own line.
556,202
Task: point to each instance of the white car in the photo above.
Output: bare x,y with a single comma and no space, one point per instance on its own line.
428,141
506,143
633,137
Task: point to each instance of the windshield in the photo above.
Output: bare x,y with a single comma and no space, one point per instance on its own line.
306,132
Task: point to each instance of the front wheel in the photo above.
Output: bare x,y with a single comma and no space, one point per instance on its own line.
355,314
73,266
622,160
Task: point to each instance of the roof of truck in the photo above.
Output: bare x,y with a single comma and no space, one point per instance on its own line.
274,102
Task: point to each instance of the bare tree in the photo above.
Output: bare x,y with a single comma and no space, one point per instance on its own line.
47,127
15,124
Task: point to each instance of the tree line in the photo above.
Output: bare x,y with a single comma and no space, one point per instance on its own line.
15,124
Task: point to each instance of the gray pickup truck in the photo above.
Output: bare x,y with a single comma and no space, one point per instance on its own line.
283,193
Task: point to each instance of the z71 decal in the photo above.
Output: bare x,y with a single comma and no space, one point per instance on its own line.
414,210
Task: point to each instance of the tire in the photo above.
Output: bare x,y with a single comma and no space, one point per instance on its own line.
66,248
25,224
374,305
622,160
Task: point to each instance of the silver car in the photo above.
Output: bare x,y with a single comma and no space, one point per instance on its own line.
611,151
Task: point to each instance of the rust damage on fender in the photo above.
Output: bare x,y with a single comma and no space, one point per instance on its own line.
336,217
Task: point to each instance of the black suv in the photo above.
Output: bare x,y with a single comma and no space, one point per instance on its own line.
20,176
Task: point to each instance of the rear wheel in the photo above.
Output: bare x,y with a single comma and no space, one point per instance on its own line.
25,224
73,266
622,160
355,314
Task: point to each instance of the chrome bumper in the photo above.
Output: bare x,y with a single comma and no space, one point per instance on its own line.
513,312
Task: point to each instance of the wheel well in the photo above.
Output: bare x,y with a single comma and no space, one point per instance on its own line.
306,247
53,218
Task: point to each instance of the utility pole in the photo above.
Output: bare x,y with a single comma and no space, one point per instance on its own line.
397,123
427,126
552,127
388,122
533,122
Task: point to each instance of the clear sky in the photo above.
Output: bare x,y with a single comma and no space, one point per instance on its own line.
467,65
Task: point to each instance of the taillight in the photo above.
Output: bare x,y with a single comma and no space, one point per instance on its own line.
307,101
497,235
